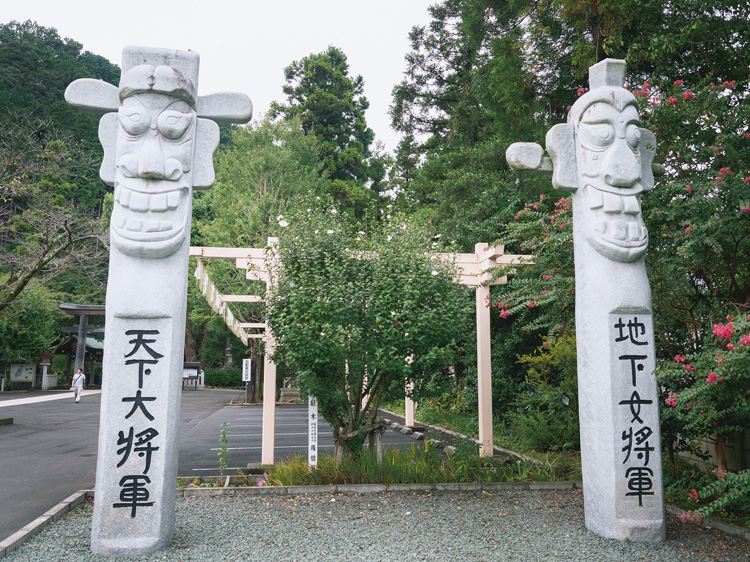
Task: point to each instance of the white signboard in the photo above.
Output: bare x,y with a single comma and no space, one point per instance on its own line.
246,370
21,373
312,416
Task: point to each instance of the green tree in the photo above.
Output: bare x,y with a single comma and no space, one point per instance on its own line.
331,106
358,315
42,234
36,65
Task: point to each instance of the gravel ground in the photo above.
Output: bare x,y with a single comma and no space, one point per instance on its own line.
466,526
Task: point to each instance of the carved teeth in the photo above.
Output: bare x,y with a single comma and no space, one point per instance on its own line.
595,198
125,197
165,225
159,202
644,233
612,203
138,202
601,227
621,231
142,202
173,199
134,226
632,207
152,226
634,231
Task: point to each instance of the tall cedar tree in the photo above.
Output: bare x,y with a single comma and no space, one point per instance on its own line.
331,106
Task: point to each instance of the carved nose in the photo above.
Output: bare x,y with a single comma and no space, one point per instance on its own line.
151,159
622,168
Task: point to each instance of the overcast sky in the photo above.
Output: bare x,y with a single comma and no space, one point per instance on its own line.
245,45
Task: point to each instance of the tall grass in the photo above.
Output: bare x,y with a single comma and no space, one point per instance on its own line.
418,465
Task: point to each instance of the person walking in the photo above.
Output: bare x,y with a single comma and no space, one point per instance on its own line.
79,383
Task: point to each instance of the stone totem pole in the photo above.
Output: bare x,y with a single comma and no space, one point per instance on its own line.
157,149
604,158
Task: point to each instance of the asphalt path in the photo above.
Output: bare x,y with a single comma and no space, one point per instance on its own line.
50,450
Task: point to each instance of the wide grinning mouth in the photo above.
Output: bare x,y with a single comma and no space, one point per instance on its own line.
149,216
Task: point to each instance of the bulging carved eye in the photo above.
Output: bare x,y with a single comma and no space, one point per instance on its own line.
633,136
134,119
598,135
174,121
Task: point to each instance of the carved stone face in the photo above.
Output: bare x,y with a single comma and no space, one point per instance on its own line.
153,184
608,155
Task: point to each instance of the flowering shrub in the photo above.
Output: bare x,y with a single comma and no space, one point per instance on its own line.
708,394
541,293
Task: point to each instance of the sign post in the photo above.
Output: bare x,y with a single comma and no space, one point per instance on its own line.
312,416
247,373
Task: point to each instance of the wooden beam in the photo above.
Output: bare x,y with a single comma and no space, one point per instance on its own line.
253,325
231,253
243,298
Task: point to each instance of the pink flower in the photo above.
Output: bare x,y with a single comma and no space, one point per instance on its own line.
530,304
678,82
726,172
730,347
747,180
745,340
688,188
687,230
724,332
672,100
658,212
693,496
545,276
680,358
747,135
671,400
504,314
688,96
689,367
690,516
713,378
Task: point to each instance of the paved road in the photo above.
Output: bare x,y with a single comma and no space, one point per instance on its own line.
50,450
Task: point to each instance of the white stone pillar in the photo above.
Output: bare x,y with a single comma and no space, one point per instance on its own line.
604,158
157,149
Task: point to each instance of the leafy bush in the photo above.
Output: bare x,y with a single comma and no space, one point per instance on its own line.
224,378
547,415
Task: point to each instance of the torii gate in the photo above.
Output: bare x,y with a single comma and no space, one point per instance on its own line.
475,270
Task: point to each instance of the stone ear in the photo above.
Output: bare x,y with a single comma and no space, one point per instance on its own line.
647,148
108,126
207,140
561,146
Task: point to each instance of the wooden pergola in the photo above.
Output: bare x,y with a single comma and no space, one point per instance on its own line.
475,270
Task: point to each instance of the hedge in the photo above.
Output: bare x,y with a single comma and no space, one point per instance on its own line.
224,378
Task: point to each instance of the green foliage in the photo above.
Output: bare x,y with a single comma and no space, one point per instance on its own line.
28,328
541,293
698,217
330,106
42,233
223,448
729,493
359,314
710,389
224,378
419,465
547,412
36,65
266,173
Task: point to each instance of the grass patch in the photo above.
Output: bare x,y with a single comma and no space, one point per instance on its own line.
419,465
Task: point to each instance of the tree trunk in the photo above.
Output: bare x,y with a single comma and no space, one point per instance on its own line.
721,455
190,350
